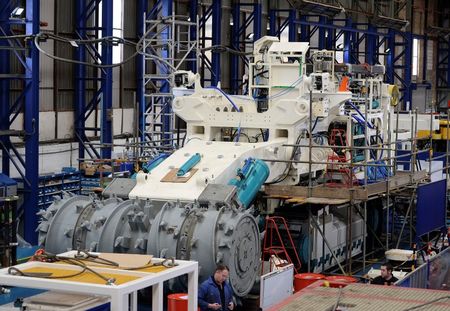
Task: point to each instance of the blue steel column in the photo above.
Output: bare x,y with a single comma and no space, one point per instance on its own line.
216,40
4,89
107,81
390,56
322,32
348,42
31,125
141,14
238,36
193,14
235,44
272,22
330,42
80,74
407,92
257,21
292,26
166,10
305,30
371,45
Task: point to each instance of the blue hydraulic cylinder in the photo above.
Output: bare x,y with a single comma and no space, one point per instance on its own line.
249,180
155,162
147,168
189,164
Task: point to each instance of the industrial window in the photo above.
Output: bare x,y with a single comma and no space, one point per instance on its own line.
415,57
117,28
340,49
284,36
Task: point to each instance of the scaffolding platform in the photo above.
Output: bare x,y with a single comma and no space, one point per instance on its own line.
323,194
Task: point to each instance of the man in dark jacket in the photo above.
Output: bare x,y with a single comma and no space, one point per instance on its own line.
386,277
215,293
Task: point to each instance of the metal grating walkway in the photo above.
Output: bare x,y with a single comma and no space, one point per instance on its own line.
361,297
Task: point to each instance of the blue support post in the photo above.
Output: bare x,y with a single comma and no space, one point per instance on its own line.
141,14
390,56
84,107
305,30
216,40
4,91
443,72
407,91
257,21
107,82
239,33
27,102
273,22
166,10
399,63
348,42
371,46
292,26
31,125
193,14
323,20
80,74
235,44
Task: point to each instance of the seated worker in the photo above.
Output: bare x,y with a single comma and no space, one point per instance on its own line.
215,293
386,277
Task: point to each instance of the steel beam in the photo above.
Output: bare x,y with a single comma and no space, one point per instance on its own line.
101,79
371,45
4,89
141,15
216,40
107,81
31,125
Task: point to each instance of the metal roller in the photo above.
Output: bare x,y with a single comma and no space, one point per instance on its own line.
82,222
209,236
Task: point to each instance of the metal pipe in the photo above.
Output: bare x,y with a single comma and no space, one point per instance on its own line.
366,171
404,220
310,146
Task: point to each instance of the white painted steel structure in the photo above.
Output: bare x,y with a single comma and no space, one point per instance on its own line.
124,296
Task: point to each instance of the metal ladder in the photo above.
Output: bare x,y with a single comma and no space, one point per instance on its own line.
168,47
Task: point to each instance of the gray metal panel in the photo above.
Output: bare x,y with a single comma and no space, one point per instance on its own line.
120,187
66,14
129,20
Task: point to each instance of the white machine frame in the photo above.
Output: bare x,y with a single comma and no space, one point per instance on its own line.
120,295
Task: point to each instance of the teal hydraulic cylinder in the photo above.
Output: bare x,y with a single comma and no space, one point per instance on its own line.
249,180
189,164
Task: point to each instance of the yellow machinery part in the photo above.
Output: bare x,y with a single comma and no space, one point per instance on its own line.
425,134
86,277
444,133
394,92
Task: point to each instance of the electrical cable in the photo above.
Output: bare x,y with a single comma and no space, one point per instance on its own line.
16,37
359,112
43,256
45,36
226,96
223,48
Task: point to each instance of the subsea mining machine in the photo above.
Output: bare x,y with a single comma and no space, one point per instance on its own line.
198,203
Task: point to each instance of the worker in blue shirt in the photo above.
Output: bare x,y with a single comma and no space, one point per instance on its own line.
215,293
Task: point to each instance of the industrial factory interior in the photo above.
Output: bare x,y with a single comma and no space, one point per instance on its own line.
230,155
